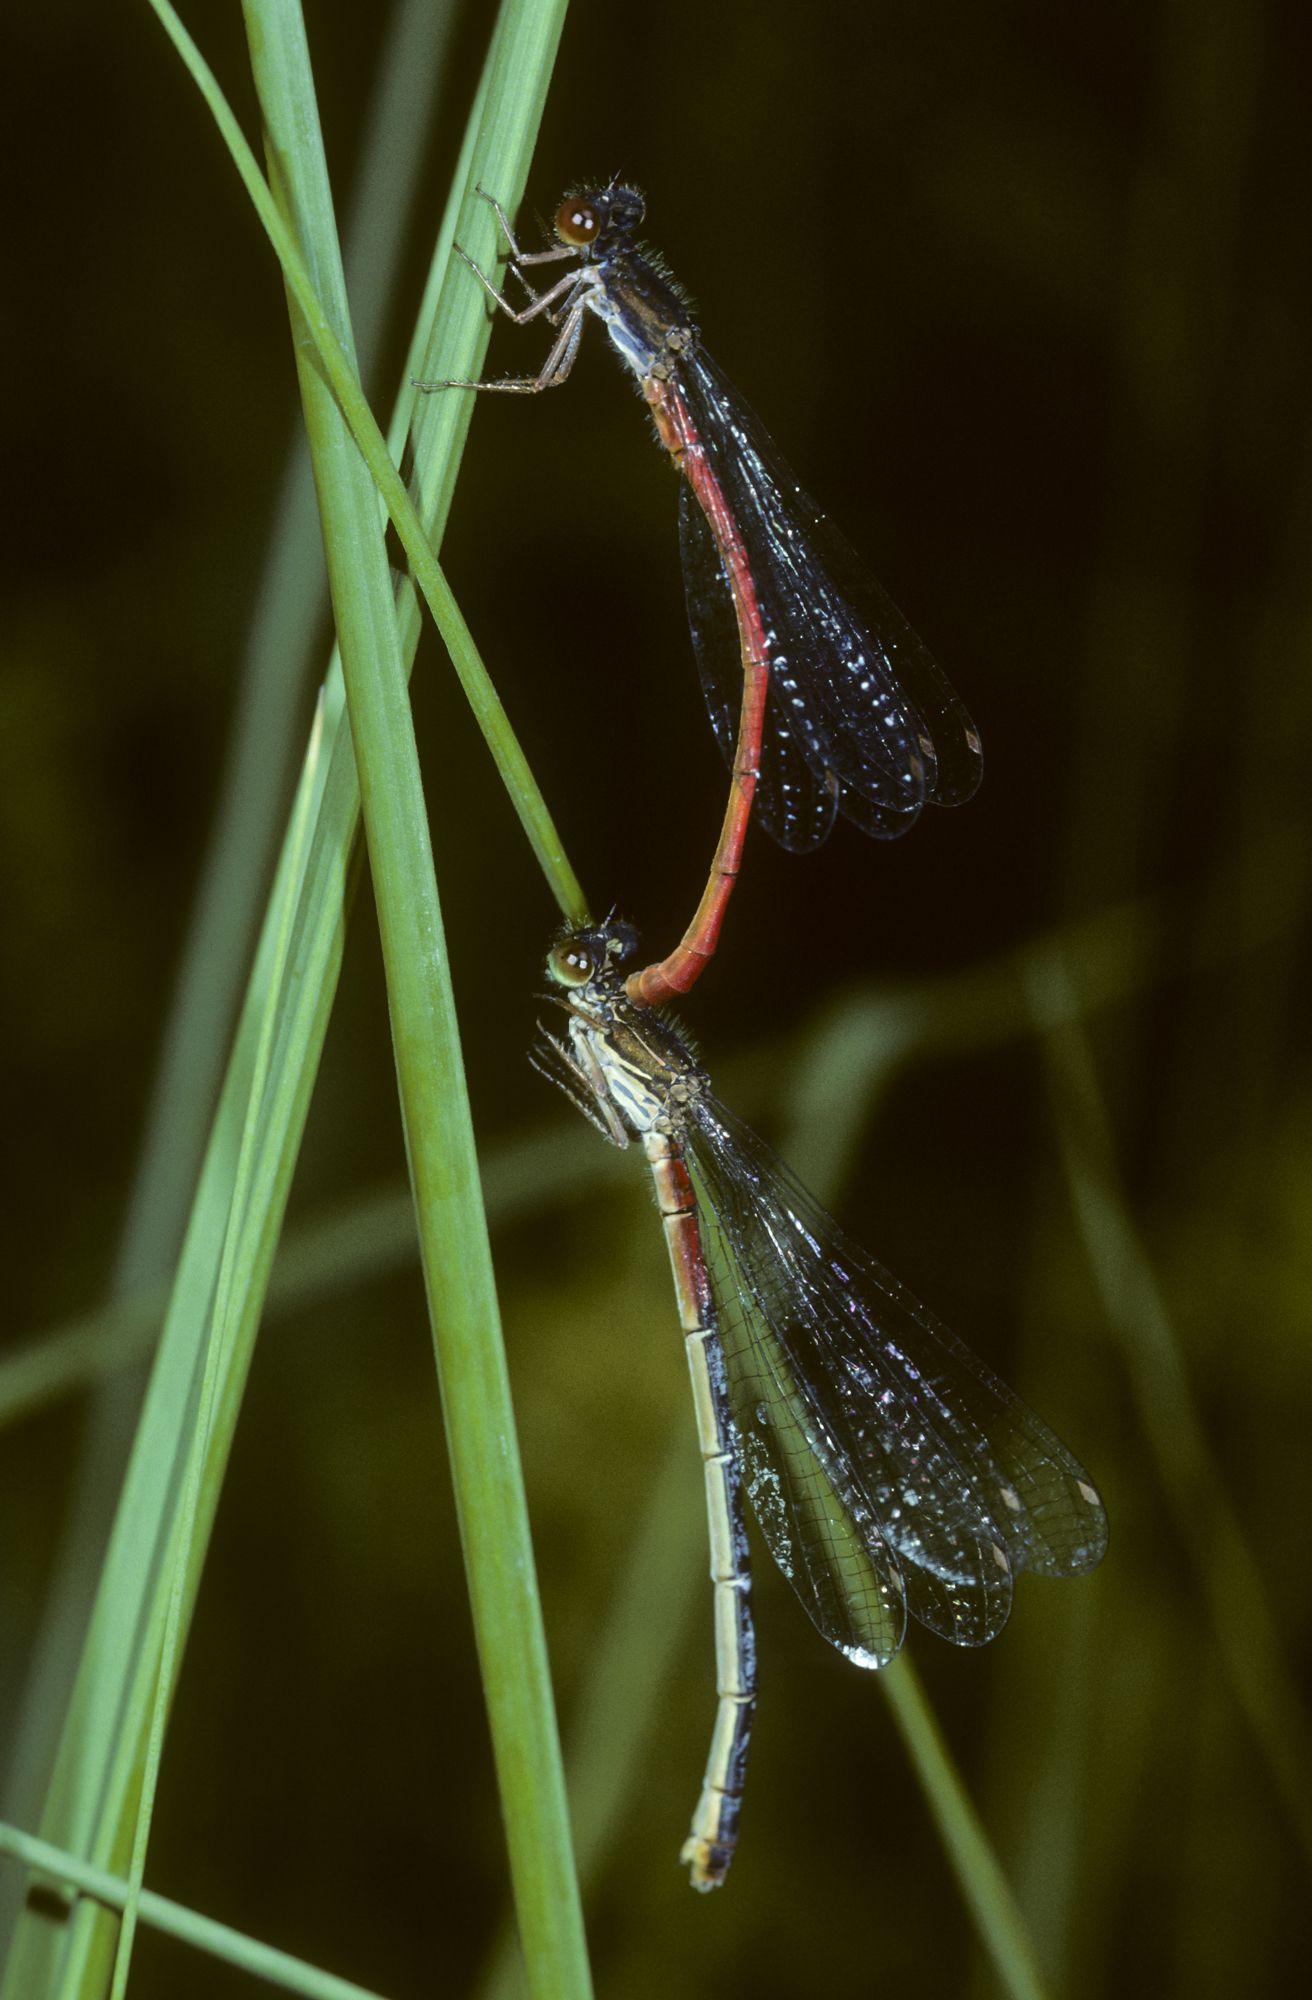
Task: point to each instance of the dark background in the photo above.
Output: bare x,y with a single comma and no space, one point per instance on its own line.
1024,293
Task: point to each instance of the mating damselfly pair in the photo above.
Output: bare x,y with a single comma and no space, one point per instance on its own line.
891,1473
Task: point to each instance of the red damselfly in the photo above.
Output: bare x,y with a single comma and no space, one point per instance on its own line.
822,698
890,1471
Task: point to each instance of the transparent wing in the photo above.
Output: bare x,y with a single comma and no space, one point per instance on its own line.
859,695
804,1492
953,1482
796,793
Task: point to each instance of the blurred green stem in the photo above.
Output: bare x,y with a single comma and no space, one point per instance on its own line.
984,1886
1246,1633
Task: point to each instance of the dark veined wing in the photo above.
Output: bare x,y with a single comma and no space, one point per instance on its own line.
859,694
920,1449
796,795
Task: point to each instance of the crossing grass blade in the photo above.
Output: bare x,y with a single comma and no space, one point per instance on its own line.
154,1561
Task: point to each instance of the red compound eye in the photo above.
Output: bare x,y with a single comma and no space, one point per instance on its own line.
577,222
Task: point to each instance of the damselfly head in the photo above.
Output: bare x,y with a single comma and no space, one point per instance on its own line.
596,952
592,212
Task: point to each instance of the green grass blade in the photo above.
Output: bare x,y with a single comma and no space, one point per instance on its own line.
261,1961
91,1797
338,366
986,1891
439,1134
185,1553
289,602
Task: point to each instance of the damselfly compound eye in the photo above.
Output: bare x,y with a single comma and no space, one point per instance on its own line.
577,222
571,963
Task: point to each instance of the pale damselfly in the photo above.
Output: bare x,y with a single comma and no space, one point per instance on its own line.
890,1471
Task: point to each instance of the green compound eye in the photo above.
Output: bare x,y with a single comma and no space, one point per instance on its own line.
572,962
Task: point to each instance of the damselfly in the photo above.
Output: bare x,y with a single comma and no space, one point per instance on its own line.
822,698
890,1471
